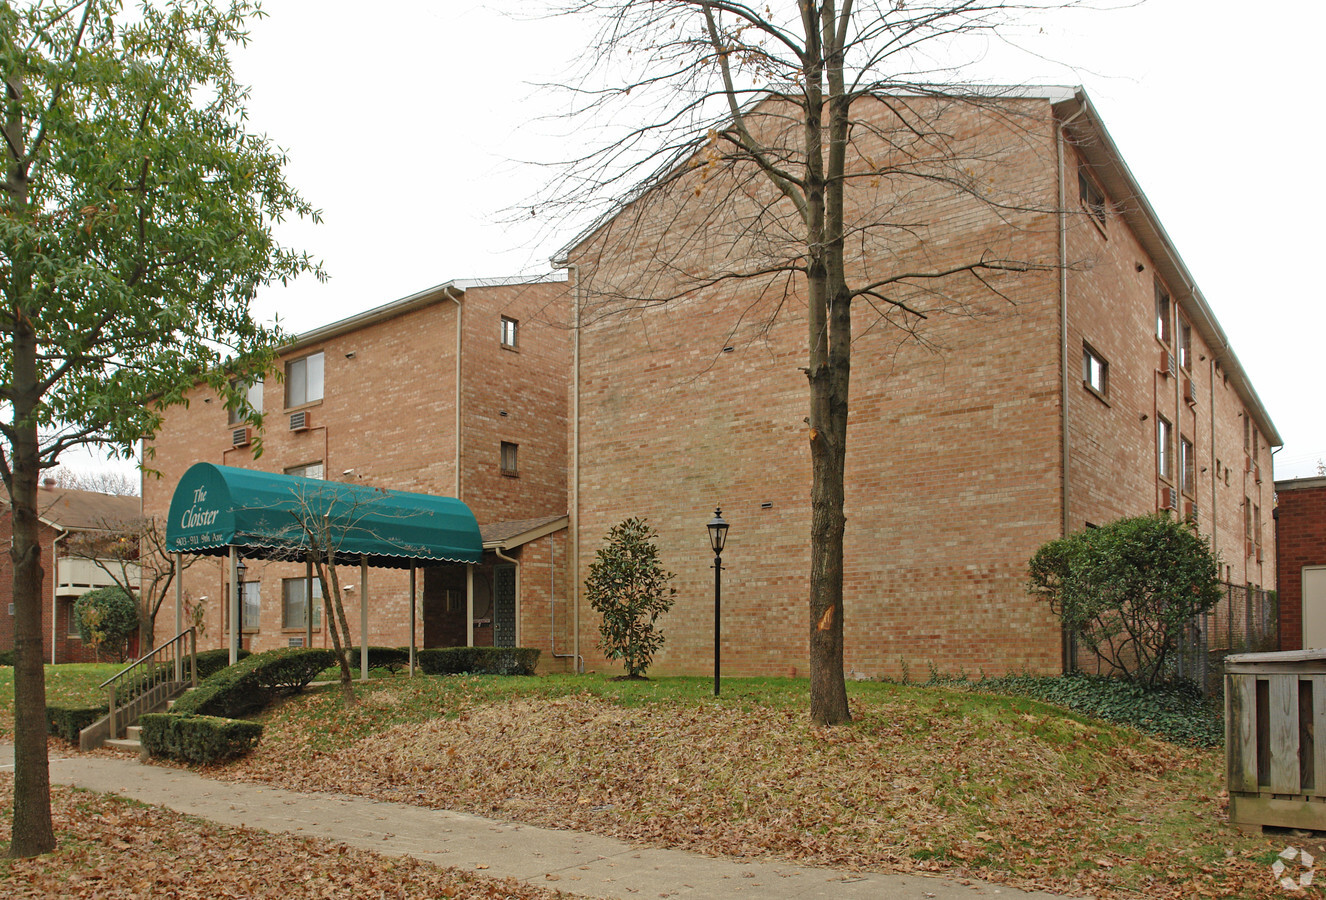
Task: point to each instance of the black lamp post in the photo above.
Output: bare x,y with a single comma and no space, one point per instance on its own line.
717,538
240,571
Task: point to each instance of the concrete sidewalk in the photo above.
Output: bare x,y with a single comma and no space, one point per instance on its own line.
571,861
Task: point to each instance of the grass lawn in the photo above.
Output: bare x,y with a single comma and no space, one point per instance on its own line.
926,778
71,683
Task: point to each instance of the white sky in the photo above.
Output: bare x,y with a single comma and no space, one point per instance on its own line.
403,120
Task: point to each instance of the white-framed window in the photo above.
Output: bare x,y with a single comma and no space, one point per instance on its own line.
510,332
1095,371
293,606
253,395
303,380
1164,448
509,460
309,470
1187,466
1164,315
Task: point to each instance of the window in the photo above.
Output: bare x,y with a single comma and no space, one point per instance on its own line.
293,605
509,458
1187,465
509,328
1095,371
254,398
1257,525
1163,315
312,470
1164,453
1093,198
303,380
1185,344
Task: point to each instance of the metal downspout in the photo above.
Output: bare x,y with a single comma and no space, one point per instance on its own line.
574,562
459,394
1063,321
55,591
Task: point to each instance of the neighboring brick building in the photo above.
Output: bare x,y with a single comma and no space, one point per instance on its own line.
374,399
1300,560
62,512
1094,386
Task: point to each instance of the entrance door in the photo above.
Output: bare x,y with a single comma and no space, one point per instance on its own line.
504,606
1314,607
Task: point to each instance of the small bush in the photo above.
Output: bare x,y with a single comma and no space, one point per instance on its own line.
7,658
478,660
630,589
199,739
67,721
254,682
107,618
393,659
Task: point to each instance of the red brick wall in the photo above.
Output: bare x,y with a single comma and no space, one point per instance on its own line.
955,438
1300,541
67,649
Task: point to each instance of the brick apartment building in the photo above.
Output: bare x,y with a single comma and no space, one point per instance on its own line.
456,391
63,512
1300,559
1096,385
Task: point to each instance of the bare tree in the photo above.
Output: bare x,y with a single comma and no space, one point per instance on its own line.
133,554
774,158
101,481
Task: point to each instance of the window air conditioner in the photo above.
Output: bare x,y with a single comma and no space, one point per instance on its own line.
299,421
241,437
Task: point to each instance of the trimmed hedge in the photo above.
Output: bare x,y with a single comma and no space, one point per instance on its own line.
254,682
392,659
478,660
199,739
6,658
212,661
68,721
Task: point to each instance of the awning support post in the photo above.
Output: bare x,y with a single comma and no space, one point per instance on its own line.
469,605
363,618
412,610
234,604
308,603
179,612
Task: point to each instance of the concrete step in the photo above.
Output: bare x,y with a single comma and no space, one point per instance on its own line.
125,744
134,733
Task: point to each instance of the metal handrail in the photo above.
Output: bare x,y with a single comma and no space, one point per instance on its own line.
164,665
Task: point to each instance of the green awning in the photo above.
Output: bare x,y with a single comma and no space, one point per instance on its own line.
269,516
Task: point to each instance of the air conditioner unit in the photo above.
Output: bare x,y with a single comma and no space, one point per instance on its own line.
1257,472
241,437
1259,554
1171,365
1247,463
299,421
1167,498
1247,545
295,642
1187,391
1166,363
1190,510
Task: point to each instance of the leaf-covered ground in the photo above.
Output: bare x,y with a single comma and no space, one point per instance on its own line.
928,779
114,848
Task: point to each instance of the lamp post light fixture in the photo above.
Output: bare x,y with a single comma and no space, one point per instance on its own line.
717,539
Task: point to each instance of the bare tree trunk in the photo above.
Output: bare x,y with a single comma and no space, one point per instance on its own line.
335,612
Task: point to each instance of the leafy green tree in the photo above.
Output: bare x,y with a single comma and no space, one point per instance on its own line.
107,617
629,588
135,230
1129,588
